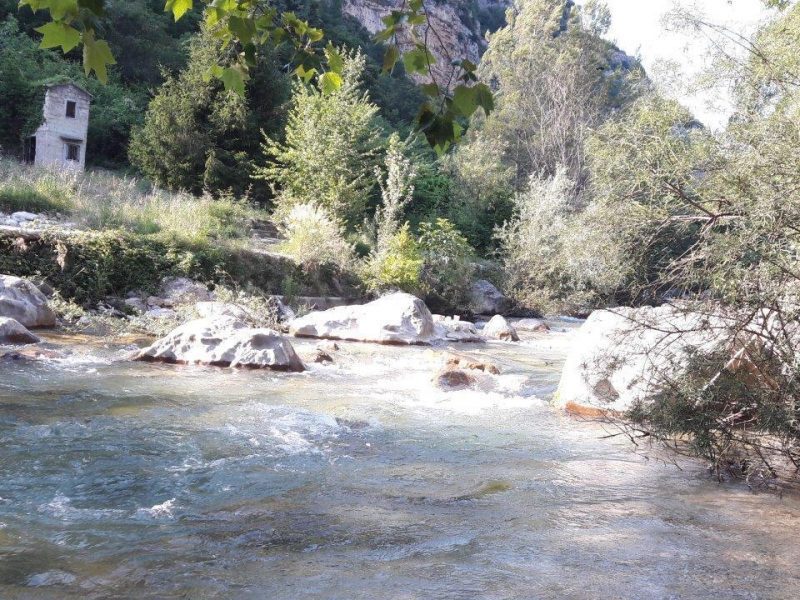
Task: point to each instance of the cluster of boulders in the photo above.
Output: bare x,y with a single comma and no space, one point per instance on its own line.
27,220
225,335
22,306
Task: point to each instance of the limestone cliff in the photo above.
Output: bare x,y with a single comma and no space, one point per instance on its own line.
457,27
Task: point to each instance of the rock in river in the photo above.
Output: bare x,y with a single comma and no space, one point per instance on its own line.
13,332
452,329
623,356
499,329
486,299
225,342
397,318
22,301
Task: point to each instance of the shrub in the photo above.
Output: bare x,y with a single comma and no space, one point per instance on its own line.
397,266
315,238
555,258
447,264
331,148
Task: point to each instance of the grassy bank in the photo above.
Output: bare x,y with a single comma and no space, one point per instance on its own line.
129,236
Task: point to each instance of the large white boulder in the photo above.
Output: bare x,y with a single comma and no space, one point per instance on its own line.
22,301
13,332
396,318
499,329
226,342
622,356
486,299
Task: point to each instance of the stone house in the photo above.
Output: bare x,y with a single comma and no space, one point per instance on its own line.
61,138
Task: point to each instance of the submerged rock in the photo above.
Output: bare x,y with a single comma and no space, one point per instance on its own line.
499,329
397,318
451,378
625,356
322,357
486,299
455,330
22,301
13,332
461,361
532,325
225,342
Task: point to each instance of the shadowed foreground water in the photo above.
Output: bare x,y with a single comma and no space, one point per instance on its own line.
359,480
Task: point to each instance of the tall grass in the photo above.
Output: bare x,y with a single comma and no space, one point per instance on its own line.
101,200
24,188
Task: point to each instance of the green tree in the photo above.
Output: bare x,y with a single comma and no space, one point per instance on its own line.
332,145
557,78
196,135
245,28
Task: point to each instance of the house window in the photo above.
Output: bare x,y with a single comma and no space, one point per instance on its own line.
71,109
73,152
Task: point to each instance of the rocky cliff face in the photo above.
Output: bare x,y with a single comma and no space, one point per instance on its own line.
456,27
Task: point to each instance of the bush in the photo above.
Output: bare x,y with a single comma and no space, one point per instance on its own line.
85,267
448,268
314,238
331,148
549,250
398,266
197,136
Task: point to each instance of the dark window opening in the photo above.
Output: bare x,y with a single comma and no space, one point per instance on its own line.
29,149
71,109
73,152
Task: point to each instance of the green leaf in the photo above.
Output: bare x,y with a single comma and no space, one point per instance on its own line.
56,34
418,60
243,29
96,56
484,97
178,7
335,61
61,8
390,58
215,71
330,82
234,78
415,5
464,100
314,34
430,89
305,74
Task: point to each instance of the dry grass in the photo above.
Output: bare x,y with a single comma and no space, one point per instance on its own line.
102,200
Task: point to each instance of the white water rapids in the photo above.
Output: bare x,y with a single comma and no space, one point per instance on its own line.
358,480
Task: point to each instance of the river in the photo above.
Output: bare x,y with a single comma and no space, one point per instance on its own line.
357,480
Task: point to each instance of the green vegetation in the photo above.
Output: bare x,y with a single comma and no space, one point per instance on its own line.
248,30
331,147
102,201
198,137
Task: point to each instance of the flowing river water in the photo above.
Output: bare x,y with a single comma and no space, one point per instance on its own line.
357,480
